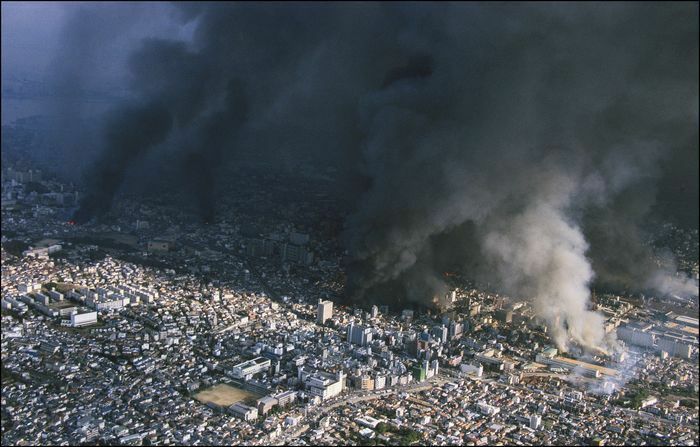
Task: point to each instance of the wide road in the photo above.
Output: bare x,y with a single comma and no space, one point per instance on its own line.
318,412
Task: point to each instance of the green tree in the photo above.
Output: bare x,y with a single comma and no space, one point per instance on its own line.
382,427
409,436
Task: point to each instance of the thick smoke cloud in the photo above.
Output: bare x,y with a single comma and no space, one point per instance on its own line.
496,139
130,132
87,75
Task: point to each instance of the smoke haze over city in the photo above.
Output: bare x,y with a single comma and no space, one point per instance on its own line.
350,223
522,145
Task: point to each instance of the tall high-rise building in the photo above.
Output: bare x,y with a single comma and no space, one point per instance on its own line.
440,333
359,335
456,329
419,373
324,312
375,311
422,341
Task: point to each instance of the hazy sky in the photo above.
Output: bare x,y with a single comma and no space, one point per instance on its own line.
29,35
35,41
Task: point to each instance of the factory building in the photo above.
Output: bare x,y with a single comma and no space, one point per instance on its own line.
588,369
677,337
674,346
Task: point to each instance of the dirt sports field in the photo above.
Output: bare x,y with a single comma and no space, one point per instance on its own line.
223,395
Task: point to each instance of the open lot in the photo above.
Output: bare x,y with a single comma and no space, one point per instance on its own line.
224,395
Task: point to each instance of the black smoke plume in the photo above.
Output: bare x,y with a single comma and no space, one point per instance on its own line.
130,132
510,141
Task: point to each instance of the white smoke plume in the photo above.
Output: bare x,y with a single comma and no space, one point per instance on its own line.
674,283
542,255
